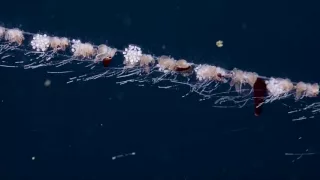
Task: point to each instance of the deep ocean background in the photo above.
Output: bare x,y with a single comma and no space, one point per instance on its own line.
73,130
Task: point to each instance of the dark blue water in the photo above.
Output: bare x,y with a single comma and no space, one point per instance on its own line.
74,130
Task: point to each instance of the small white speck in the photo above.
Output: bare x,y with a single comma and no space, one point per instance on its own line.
33,158
47,83
123,155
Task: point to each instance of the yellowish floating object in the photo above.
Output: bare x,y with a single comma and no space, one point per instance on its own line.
219,43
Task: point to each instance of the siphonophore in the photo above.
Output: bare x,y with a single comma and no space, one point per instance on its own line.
224,88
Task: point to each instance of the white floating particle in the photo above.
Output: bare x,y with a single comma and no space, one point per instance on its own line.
47,83
123,155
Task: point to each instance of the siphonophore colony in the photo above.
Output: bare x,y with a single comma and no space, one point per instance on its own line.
208,81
